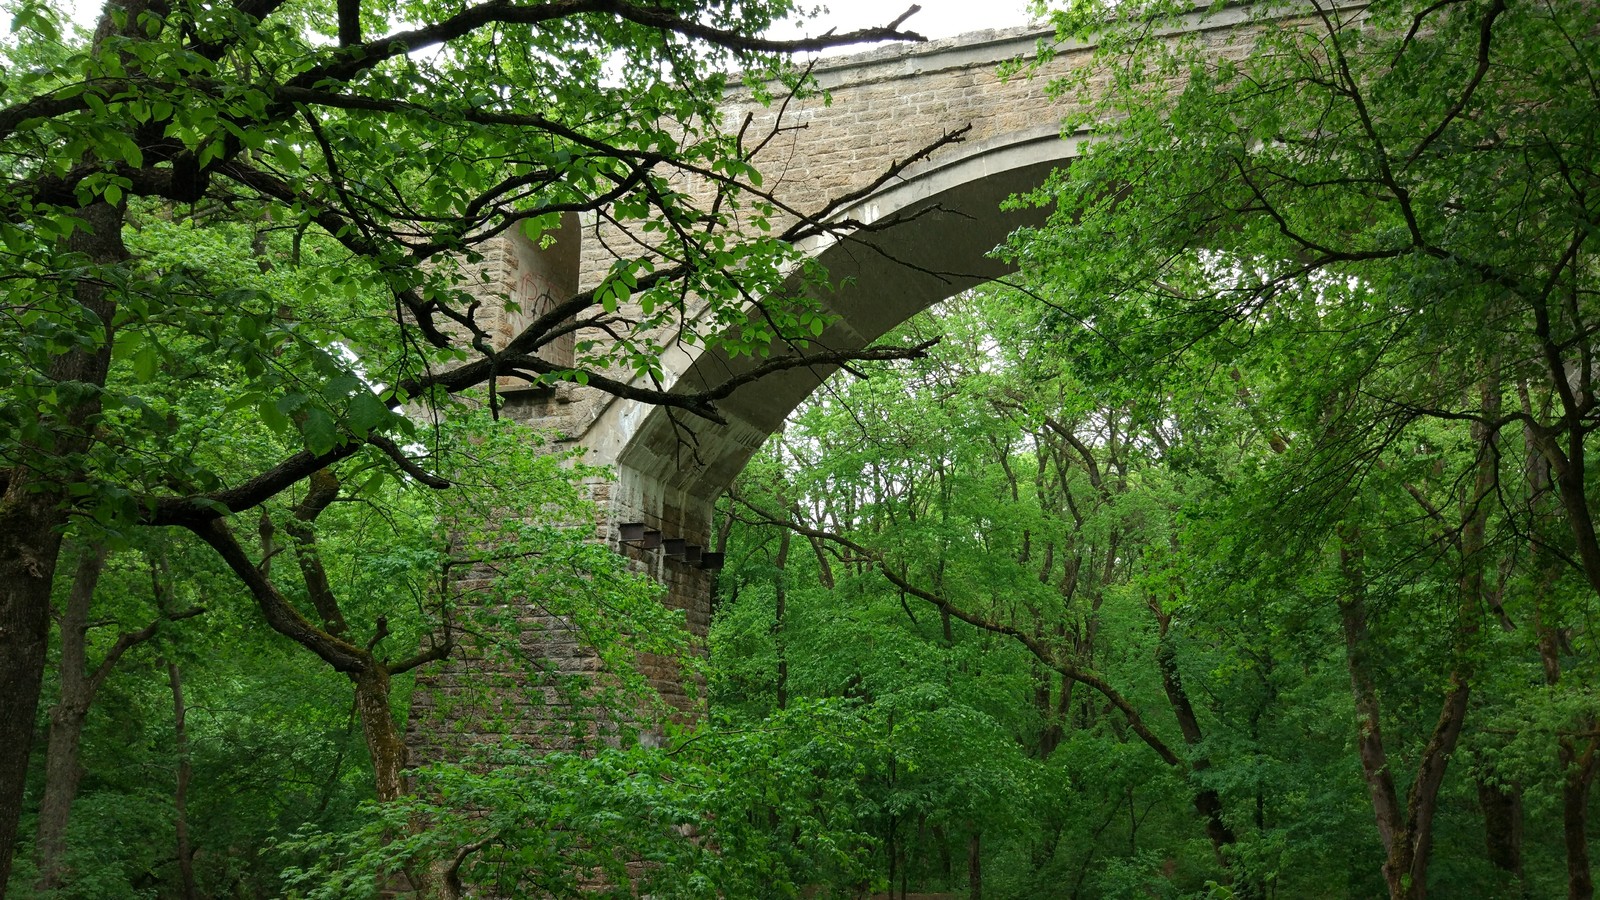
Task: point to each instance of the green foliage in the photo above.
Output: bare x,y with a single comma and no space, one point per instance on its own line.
956,475
264,267
246,252
276,745
1281,445
738,812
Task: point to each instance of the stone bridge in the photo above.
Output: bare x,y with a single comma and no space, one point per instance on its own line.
933,228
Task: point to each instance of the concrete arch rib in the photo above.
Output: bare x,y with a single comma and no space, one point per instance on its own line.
928,238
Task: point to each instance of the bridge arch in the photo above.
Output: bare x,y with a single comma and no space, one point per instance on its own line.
929,237
931,233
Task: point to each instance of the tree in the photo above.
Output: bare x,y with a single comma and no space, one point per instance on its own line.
362,155
80,682
740,811
986,528
1025,544
1398,201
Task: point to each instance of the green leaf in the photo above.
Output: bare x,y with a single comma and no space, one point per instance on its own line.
146,362
272,416
367,413
320,431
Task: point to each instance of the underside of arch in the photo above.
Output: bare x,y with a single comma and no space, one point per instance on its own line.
929,238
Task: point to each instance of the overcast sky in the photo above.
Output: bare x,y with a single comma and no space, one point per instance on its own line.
938,18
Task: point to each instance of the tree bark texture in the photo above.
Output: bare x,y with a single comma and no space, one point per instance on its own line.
180,794
1502,825
62,772
1577,760
384,741
29,542
33,515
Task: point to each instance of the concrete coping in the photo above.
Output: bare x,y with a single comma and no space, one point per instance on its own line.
991,47
999,153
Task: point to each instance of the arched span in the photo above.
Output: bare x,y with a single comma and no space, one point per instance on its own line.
930,233
929,237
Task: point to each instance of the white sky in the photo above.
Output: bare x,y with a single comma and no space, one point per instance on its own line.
938,18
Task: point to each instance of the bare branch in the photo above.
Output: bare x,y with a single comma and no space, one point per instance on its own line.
348,61
278,611
406,463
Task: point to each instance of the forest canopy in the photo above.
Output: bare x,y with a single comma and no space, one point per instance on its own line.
1239,545
1248,528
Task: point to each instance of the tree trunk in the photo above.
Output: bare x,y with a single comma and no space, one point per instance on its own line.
180,795
946,864
29,542
1206,800
32,516
387,749
1423,800
1406,832
62,772
384,742
79,686
1502,825
1577,766
781,604
975,866
1578,763
1369,728
892,845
